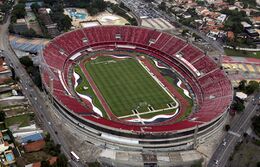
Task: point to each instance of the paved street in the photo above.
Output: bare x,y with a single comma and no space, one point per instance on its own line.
235,134
136,7
32,92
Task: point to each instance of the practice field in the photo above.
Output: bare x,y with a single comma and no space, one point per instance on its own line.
127,86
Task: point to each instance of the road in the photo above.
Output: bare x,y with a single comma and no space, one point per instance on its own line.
32,92
218,46
234,136
156,12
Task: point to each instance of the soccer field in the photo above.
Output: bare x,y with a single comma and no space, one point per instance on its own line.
126,85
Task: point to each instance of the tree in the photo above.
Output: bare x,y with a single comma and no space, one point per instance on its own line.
227,127
242,85
62,161
11,28
2,116
26,61
45,163
256,124
197,164
238,105
29,33
252,87
35,7
230,2
162,6
184,32
63,21
19,11
47,137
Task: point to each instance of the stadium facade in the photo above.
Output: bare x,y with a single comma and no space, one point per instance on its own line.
211,89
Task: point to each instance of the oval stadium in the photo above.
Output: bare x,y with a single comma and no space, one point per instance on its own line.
135,88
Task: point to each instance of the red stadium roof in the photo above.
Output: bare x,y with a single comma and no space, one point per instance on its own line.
212,89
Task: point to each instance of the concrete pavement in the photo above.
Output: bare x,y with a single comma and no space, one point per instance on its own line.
32,92
235,135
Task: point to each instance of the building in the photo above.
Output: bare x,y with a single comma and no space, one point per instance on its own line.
45,17
34,146
20,26
252,33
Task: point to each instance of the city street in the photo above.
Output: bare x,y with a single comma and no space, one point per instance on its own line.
32,92
235,134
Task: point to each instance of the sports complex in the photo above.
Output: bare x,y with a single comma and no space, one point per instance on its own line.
135,88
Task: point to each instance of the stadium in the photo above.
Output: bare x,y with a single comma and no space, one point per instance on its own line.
135,88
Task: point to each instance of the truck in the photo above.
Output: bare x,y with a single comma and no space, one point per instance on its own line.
74,156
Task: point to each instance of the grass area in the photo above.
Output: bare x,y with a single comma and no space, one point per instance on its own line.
22,120
240,53
171,80
126,85
80,89
189,107
150,115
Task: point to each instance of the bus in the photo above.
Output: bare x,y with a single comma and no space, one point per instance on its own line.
74,156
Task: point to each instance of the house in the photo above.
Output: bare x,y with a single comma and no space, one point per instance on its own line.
221,18
256,21
34,146
45,17
252,33
246,25
3,145
20,26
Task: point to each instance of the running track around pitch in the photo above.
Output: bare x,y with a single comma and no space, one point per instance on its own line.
97,92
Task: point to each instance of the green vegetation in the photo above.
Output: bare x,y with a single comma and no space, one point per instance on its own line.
6,6
22,120
238,105
233,22
80,89
227,127
197,164
18,12
94,164
32,70
119,11
35,7
2,116
63,21
248,87
248,3
256,124
93,6
54,150
162,6
126,85
189,107
50,147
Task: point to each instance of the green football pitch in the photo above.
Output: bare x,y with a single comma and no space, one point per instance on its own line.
126,85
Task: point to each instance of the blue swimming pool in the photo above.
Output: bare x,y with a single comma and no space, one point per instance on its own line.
9,157
78,15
